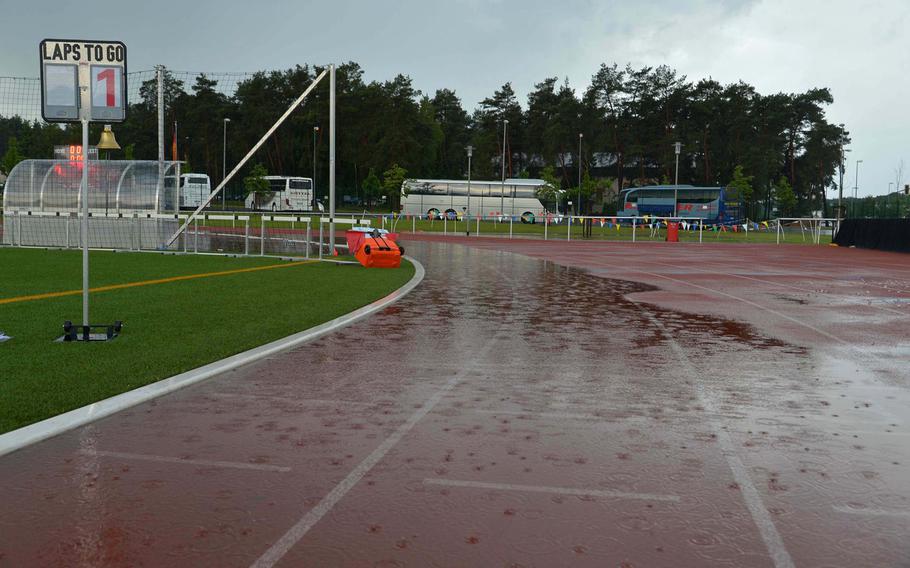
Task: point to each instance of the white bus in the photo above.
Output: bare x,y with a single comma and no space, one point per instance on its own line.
287,194
194,189
448,197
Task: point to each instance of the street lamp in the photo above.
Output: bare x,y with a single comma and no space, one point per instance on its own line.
580,136
224,161
856,186
502,191
467,215
677,148
315,132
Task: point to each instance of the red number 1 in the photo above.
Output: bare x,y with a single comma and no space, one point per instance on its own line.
108,77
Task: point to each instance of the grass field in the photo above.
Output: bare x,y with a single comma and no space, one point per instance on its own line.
169,327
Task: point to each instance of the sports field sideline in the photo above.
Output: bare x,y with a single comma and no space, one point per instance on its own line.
532,404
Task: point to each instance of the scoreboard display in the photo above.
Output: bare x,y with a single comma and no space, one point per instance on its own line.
74,153
83,80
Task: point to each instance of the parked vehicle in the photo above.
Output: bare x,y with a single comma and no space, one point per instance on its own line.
194,190
287,194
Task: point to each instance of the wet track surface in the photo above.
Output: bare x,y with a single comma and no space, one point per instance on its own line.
603,404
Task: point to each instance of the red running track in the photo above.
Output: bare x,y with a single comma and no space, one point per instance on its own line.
575,404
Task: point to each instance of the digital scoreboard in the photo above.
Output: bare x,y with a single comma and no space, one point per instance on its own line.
74,153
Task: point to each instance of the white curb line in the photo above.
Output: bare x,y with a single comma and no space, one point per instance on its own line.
17,439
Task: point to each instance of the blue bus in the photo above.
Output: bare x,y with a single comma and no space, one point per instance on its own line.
709,203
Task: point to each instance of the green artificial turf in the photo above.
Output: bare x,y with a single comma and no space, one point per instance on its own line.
169,328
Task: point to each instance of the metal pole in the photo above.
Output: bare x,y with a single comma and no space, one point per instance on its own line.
160,76
580,135
677,147
332,155
224,161
315,195
502,191
840,188
467,224
856,186
85,166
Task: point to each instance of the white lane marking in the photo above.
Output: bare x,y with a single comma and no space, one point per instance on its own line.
548,489
760,516
567,415
169,459
281,547
291,400
872,512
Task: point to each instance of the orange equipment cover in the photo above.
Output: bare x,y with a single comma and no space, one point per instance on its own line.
379,251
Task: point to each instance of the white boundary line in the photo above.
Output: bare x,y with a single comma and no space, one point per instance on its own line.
169,459
752,498
548,489
17,439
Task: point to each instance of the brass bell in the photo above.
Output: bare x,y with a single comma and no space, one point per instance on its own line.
108,142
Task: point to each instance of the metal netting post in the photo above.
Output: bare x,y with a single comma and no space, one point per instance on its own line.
308,239
262,235
246,237
445,225
196,235
67,230
414,224
477,232
320,239
778,231
701,224
633,229
546,225
569,229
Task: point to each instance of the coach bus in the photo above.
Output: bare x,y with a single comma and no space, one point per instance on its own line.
708,203
286,194
448,197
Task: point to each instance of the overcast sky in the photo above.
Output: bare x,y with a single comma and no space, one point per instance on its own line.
860,50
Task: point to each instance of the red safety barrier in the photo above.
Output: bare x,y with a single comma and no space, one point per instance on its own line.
672,232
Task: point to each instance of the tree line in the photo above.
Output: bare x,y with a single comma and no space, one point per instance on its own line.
777,150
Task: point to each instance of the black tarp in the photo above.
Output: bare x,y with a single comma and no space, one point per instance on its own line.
881,234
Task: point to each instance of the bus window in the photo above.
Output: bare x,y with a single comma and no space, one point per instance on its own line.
277,184
299,184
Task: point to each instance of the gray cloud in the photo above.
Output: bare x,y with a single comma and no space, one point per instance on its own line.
474,46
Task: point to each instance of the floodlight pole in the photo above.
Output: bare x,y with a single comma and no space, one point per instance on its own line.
85,163
332,155
677,147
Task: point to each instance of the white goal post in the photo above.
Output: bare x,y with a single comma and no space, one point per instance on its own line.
329,70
